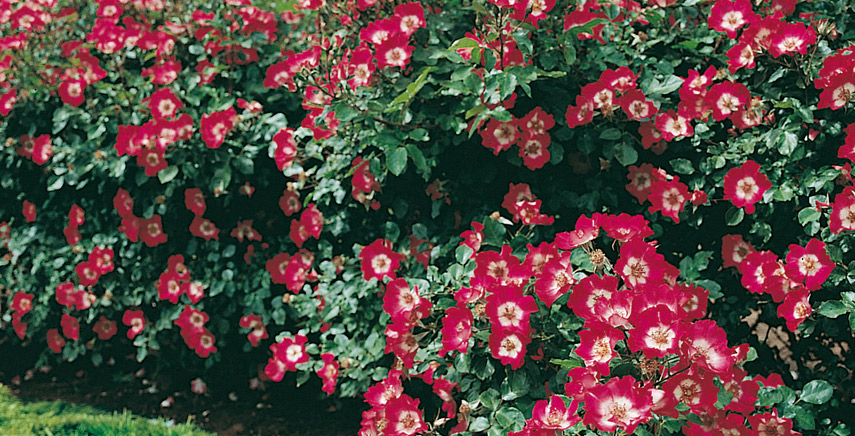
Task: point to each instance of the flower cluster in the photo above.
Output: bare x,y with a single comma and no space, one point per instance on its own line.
789,283
176,281
406,309
524,206
257,330
149,230
39,149
292,270
392,412
529,133
287,354
149,142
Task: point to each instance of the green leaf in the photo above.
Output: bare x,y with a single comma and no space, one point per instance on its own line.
587,27
611,134
510,418
568,363
734,216
817,392
788,142
165,176
480,424
418,159
518,384
345,112
671,84
420,135
462,254
245,165
392,231
475,111
490,399
569,53
412,89
507,85
808,214
832,309
396,161
494,232
682,166
523,41
60,119
482,367
625,154
463,43
804,418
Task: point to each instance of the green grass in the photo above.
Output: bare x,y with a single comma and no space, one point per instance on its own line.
47,418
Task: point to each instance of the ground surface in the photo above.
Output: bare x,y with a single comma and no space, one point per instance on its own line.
18,418
281,409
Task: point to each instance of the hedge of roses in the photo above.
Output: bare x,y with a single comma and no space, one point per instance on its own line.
492,216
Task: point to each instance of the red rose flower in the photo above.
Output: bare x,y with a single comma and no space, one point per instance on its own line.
194,201
55,341
104,328
378,260
70,327
286,148
729,15
256,326
456,329
204,228
328,372
745,185
71,91
393,52
619,404
87,273
152,231
29,211
216,126
669,198
42,149
163,104
554,414
810,264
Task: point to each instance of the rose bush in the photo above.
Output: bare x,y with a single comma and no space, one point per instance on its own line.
427,204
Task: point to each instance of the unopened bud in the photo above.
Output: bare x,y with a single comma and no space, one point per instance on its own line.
286,299
597,256
827,28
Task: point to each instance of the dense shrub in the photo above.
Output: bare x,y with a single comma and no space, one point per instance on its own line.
645,194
